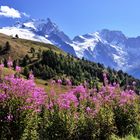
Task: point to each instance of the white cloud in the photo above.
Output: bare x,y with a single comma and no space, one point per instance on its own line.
9,12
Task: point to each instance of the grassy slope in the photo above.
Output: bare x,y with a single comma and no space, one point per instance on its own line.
58,89
21,47
41,83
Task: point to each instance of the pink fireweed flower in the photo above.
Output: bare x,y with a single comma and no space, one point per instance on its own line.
9,118
3,97
94,99
103,89
53,82
95,90
64,103
50,105
18,69
114,84
66,100
107,98
80,92
122,102
88,110
127,97
59,81
31,76
22,89
10,63
117,85
68,82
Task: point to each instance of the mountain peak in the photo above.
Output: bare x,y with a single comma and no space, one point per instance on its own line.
107,31
49,20
113,36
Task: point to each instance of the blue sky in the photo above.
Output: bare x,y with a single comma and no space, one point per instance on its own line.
77,17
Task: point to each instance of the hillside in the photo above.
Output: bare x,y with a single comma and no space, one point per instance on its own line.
21,47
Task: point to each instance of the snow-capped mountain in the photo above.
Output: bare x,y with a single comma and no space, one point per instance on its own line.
111,48
40,30
105,46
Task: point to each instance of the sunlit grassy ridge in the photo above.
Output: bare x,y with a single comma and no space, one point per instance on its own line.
21,47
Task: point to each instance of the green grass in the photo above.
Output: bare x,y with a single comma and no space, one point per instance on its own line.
59,89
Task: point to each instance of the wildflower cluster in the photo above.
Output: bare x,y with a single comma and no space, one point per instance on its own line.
28,112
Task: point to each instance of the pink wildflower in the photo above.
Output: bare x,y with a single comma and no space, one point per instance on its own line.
9,117
88,109
18,69
68,82
10,63
59,81
31,76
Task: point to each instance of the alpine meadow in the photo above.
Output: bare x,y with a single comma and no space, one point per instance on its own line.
55,86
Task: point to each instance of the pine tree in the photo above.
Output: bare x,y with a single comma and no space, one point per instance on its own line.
7,46
26,72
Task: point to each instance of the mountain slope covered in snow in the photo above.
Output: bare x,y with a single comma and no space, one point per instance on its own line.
112,48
